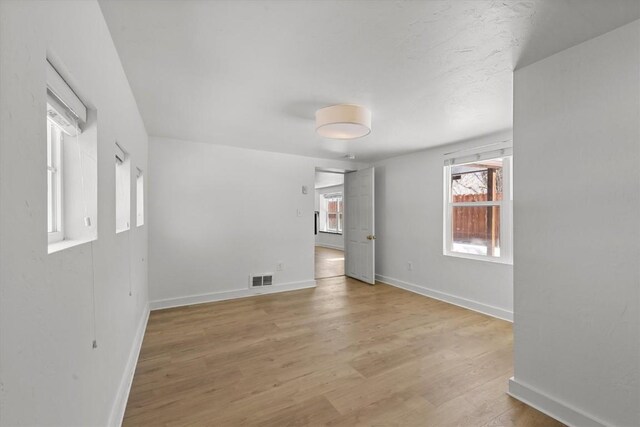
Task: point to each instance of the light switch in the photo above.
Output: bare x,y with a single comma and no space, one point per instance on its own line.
299,212
304,189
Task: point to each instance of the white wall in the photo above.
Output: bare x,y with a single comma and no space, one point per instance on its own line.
577,235
329,240
222,213
409,228
328,179
49,373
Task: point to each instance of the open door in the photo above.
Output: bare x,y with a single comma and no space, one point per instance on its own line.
360,243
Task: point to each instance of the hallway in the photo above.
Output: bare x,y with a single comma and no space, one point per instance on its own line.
328,262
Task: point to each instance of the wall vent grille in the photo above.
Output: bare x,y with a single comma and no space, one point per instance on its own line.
258,281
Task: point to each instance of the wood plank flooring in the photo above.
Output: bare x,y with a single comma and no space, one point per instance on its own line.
329,262
343,354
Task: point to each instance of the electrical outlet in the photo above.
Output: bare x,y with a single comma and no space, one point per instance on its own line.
280,266
410,266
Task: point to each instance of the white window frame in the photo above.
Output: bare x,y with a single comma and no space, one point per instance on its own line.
67,116
123,165
506,206
324,204
139,197
54,173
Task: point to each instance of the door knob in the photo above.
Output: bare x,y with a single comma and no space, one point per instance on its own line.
371,237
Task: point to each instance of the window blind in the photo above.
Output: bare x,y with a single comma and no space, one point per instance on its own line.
476,157
121,155
64,108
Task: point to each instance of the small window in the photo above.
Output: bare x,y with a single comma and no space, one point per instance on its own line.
123,189
71,166
331,213
478,206
139,198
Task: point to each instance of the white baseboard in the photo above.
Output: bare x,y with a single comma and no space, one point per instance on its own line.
489,310
325,245
120,404
552,407
227,295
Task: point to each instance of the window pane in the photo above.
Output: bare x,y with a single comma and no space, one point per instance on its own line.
476,230
331,212
332,222
123,191
332,206
50,227
52,176
49,148
477,182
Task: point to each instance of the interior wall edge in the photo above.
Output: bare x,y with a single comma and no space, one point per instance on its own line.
122,397
477,306
228,295
551,406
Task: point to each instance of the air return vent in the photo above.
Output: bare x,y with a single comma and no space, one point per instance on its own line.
261,280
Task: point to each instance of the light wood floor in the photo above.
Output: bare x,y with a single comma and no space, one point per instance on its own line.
329,262
342,354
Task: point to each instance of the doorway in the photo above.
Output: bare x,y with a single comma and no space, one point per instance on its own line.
329,224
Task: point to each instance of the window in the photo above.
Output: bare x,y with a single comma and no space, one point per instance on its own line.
478,206
123,189
331,213
139,198
71,132
54,183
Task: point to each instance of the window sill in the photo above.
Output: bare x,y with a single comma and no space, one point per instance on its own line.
483,258
66,244
330,232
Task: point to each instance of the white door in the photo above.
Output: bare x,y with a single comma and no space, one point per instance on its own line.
360,243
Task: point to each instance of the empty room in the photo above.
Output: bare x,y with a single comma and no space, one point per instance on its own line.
320,213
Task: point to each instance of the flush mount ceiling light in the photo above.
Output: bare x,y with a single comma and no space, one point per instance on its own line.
344,121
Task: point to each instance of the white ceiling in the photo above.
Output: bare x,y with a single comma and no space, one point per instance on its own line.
328,179
252,73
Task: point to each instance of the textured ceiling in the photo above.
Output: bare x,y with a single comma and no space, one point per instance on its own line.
252,73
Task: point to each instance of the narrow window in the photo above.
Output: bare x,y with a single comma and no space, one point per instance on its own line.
123,189
54,183
139,198
331,213
71,131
